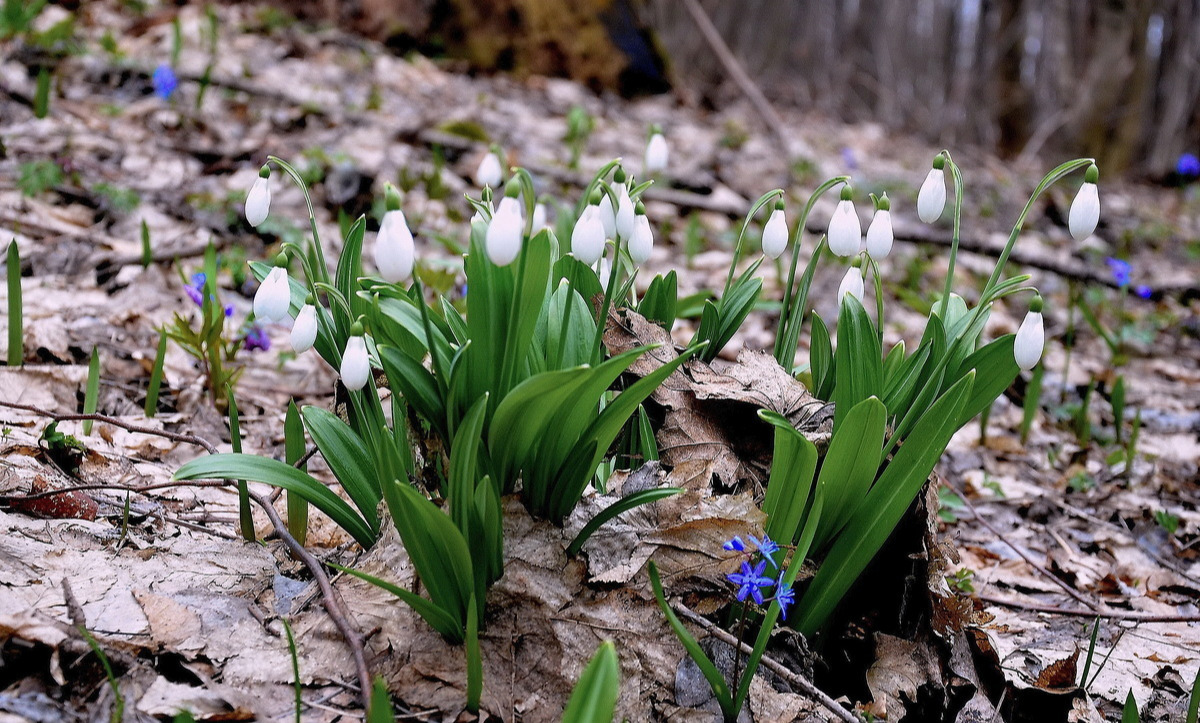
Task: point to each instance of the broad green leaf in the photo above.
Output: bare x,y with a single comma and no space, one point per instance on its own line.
621,506
349,458
858,360
438,619
273,472
474,658
850,465
883,507
995,370
790,485
349,267
1130,713
381,710
820,359
661,300
91,395
411,379
464,466
293,450
594,699
580,275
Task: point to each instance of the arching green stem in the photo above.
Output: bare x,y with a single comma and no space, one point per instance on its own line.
607,303
956,174
312,216
763,200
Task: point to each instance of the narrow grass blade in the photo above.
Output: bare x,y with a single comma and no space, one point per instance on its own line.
41,96
1130,713
245,516
437,617
381,704
291,643
1087,663
594,699
118,712
1194,701
92,394
621,506
156,376
147,255
293,451
16,314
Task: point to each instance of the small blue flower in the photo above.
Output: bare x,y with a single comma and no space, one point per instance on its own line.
735,544
1188,165
195,289
256,339
1120,270
849,159
767,547
785,596
1143,291
751,582
164,81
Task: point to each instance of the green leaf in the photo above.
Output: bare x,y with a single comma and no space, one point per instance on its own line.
349,269
580,276
273,472
381,710
716,681
621,506
1130,712
245,516
850,465
91,395
661,300
995,370
820,359
350,459
858,360
594,699
412,380
883,507
464,466
156,376
793,464
474,658
1194,701
294,449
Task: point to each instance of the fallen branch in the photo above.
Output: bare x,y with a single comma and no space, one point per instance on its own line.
773,665
1107,612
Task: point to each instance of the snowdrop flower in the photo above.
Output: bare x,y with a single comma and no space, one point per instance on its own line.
641,242
624,219
605,272
879,233
775,233
852,283
539,217
503,240
656,151
356,368
304,330
608,217
1031,337
1085,209
587,238
845,230
274,295
394,248
258,200
931,200
489,172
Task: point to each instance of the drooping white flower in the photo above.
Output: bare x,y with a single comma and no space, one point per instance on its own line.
931,199
503,240
587,238
1085,209
775,234
625,213
539,217
641,242
258,200
605,272
274,296
852,283
489,172
355,365
845,230
879,233
394,248
656,153
1031,339
608,217
477,217
304,329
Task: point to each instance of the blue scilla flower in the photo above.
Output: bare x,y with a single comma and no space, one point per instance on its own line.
785,596
1120,270
195,291
767,547
1143,291
256,339
751,582
735,545
1188,165
164,81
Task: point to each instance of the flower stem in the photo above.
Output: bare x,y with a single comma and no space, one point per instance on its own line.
956,174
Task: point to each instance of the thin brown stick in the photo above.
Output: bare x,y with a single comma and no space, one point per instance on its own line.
333,606
773,665
1000,536
1106,612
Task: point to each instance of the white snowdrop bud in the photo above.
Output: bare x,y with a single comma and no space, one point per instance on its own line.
489,172
931,200
608,217
1085,209
879,233
656,152
304,330
845,230
641,242
852,283
394,249
775,233
587,238
258,200
539,217
625,213
503,240
1031,337
605,272
274,296
356,367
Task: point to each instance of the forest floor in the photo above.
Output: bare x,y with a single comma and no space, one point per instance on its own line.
1047,532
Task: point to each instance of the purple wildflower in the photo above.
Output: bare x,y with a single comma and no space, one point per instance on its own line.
164,81
195,290
751,582
785,596
1120,270
767,547
735,544
1188,165
1143,291
256,339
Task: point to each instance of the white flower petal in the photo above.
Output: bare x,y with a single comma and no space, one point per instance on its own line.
879,235
587,238
845,230
489,171
304,330
503,239
656,154
1031,339
625,214
852,283
1085,212
931,200
258,201
641,243
355,365
274,296
608,217
775,235
394,249
539,217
